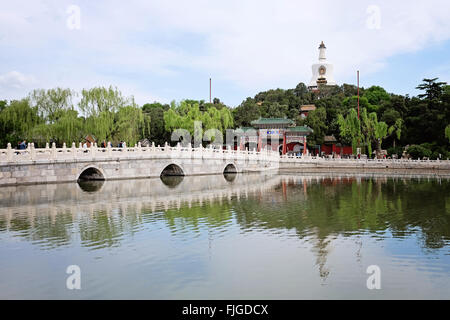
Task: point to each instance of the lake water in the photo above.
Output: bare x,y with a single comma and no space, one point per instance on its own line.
272,236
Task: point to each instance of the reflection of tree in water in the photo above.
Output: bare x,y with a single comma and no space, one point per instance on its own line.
213,215
353,208
322,211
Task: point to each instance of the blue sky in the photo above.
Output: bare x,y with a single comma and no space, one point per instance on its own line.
168,50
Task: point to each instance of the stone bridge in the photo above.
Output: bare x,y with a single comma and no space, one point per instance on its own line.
50,165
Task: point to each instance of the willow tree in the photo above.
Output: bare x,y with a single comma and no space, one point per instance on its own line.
368,128
188,116
350,128
67,128
18,120
131,124
447,132
51,103
99,106
185,116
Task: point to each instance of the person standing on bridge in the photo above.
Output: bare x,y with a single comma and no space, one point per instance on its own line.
23,145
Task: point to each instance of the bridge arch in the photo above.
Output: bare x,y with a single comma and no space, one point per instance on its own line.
172,169
91,173
230,168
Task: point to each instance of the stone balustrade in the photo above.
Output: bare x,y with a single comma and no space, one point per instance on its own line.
48,154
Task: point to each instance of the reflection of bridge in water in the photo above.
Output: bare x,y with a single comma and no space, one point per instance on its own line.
156,195
299,205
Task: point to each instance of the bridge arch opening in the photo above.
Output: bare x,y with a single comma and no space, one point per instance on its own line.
172,170
230,168
90,186
172,181
91,174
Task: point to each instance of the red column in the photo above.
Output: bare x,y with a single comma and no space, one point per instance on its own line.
241,144
284,144
304,145
259,141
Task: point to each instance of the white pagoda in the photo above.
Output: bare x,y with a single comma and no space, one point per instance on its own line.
322,71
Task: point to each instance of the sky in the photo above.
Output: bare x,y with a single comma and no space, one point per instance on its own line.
168,50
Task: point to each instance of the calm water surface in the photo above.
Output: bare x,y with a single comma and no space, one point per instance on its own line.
282,236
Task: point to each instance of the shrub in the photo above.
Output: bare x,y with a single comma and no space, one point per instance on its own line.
419,151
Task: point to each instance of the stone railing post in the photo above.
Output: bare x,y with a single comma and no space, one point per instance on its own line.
74,150
93,147
54,153
9,152
166,147
32,151
125,149
200,151
109,150
47,152
64,149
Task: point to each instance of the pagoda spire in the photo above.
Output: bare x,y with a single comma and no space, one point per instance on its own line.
322,51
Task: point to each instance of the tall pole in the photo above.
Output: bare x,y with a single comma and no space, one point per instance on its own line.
358,91
209,90
357,76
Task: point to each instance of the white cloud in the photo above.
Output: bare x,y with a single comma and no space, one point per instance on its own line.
16,80
254,44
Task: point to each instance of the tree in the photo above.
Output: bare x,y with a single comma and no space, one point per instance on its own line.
381,131
155,112
97,100
433,89
396,130
447,132
376,95
186,115
99,106
52,102
245,113
67,128
350,128
17,121
131,124
317,121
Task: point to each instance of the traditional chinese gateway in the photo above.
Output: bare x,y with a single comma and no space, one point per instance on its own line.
277,134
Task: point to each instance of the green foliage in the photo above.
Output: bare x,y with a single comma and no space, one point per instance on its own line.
245,113
51,103
103,100
155,111
350,127
398,151
131,124
317,121
17,121
187,115
50,115
67,128
375,95
433,90
419,151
